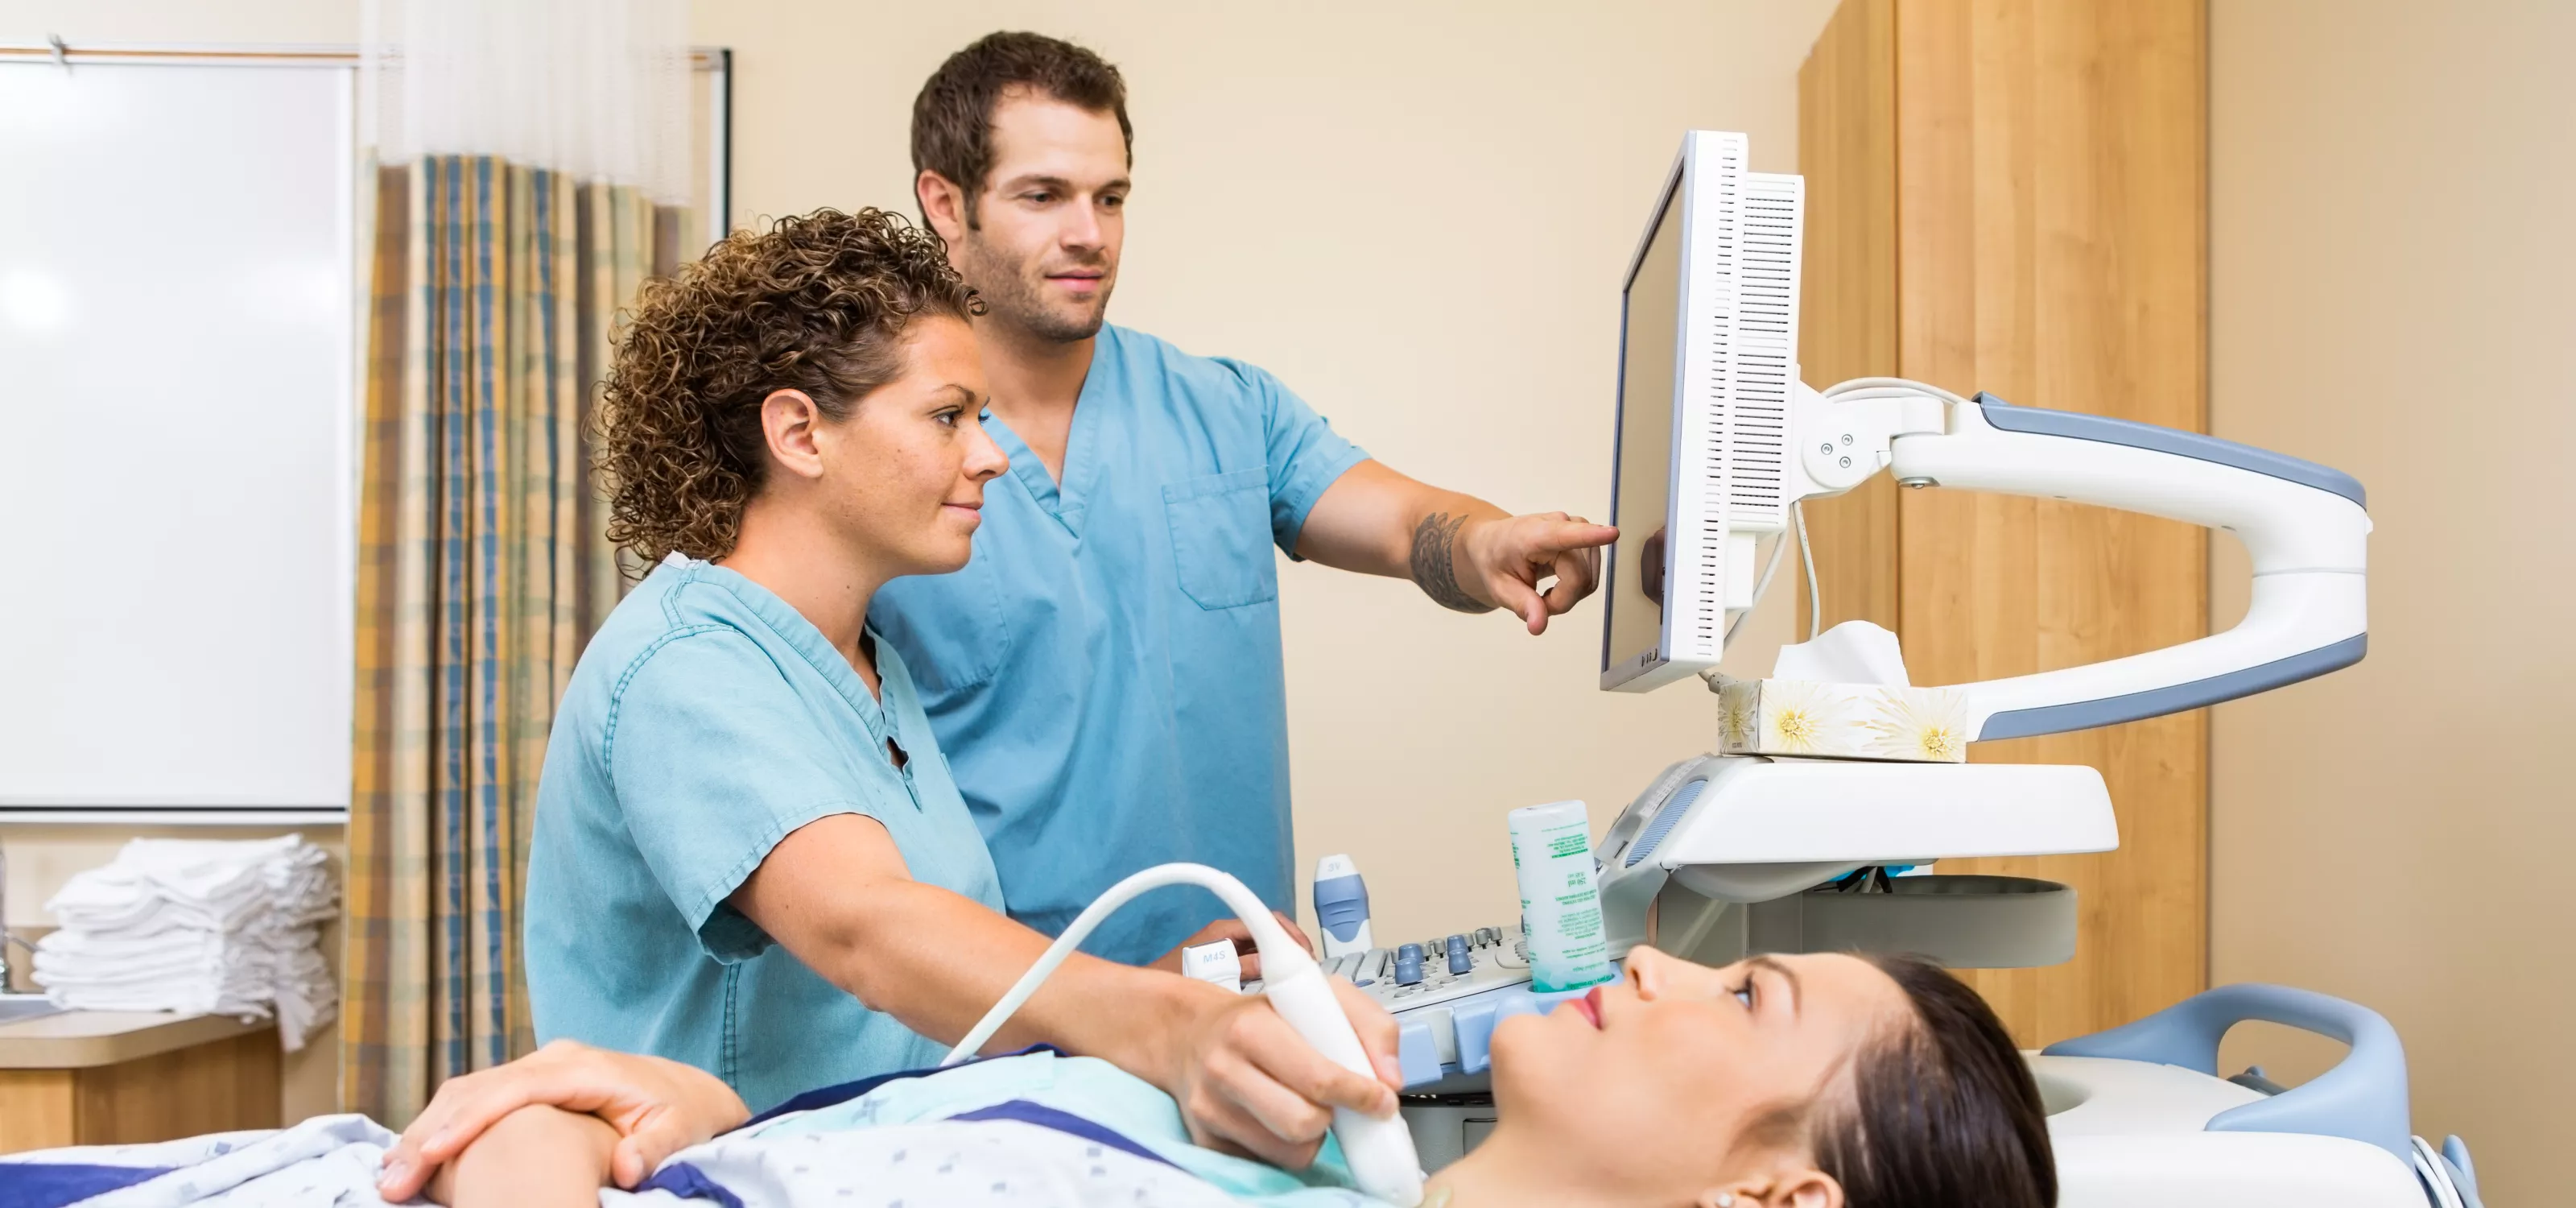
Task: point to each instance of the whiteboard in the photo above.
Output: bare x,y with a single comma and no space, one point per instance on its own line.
178,436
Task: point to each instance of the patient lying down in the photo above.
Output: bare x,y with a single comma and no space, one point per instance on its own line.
1792,1081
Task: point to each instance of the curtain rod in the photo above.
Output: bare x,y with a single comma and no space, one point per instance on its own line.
701,58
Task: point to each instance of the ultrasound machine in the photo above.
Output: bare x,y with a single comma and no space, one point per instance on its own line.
1725,855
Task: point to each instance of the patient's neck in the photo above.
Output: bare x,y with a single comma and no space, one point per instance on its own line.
1510,1170
795,553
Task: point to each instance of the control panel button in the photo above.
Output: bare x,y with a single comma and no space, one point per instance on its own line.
1408,965
1417,1052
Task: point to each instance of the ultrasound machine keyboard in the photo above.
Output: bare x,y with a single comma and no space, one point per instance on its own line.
1446,993
1446,996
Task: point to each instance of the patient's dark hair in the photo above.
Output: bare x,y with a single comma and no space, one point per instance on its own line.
1943,1111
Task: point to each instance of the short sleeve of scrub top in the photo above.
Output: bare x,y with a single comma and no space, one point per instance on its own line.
714,763
1305,455
706,722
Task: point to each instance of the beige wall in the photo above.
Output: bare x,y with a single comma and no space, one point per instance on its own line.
2391,255
1415,214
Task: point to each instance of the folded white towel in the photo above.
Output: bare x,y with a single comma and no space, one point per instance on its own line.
196,925
197,882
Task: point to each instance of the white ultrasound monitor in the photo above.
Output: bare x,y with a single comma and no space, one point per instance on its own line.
1707,361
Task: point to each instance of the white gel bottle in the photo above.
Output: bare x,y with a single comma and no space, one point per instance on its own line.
1560,909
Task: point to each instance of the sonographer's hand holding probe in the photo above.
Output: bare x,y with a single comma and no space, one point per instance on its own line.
1235,1047
1247,1080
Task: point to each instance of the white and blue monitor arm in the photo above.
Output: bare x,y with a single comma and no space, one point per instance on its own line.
2304,525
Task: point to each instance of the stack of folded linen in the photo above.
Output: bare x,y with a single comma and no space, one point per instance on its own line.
210,927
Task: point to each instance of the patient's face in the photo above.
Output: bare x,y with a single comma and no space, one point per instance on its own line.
1660,1070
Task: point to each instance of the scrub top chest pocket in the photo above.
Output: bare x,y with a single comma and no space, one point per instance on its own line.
1221,538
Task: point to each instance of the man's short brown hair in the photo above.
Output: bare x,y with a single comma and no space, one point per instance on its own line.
952,119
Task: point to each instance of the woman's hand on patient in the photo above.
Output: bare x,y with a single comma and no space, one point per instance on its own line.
657,1106
1246,1081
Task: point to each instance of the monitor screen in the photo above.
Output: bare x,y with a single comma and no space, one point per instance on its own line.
1641,497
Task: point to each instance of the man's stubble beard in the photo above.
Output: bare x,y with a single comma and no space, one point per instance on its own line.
1015,300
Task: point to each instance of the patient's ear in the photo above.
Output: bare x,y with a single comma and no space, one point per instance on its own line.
1815,1189
1786,1187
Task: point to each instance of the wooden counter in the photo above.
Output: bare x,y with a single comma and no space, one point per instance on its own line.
119,1077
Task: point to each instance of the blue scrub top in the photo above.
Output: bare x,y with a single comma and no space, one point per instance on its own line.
1106,670
704,723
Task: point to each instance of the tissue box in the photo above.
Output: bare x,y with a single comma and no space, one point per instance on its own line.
1842,721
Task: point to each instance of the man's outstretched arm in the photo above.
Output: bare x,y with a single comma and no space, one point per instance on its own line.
1463,552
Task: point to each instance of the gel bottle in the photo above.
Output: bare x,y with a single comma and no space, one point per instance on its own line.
1560,911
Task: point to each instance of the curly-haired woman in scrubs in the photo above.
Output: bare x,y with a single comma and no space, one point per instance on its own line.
749,855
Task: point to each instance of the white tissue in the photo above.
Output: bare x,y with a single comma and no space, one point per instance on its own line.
1854,652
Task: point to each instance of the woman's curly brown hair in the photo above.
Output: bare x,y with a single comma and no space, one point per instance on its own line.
816,303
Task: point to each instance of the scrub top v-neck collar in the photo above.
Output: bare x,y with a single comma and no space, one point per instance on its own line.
1064,501
799,633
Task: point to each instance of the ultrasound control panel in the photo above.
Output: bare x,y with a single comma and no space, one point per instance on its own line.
1446,1007
1412,975
1447,995
1446,992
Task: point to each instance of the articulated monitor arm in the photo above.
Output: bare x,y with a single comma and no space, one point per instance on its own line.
2304,525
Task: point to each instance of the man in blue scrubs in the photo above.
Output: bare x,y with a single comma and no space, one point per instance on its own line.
1105,674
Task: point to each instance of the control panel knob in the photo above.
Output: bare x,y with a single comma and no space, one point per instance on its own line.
1459,962
1408,965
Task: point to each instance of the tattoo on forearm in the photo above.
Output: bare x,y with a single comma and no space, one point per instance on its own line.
1434,541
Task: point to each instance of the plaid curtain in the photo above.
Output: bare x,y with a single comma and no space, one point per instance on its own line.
482,569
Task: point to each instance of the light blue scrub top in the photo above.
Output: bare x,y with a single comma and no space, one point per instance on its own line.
704,723
1106,671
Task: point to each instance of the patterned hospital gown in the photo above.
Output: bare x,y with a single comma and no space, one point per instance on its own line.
1038,1130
